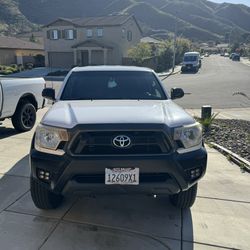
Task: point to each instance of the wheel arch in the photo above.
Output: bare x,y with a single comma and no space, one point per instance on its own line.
29,97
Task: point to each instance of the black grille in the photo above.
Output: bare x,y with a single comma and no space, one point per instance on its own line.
143,178
101,143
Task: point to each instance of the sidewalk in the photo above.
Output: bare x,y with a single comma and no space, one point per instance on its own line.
233,113
245,61
176,71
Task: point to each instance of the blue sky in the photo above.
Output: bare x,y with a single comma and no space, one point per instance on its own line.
246,2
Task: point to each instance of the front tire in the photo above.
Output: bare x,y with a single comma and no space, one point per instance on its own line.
42,197
184,199
24,118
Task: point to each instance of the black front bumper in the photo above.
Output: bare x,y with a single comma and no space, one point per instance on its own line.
186,68
159,174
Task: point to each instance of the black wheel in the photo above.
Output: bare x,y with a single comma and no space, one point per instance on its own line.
25,116
184,199
42,197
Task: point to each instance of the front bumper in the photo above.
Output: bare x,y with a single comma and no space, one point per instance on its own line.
189,67
86,174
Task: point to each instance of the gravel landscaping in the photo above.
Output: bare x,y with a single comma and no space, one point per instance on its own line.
231,134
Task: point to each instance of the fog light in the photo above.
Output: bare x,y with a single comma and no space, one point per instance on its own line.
43,175
195,173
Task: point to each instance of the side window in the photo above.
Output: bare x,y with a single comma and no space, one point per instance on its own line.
54,34
129,36
69,34
89,32
123,33
100,32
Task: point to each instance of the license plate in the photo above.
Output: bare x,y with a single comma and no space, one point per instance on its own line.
122,176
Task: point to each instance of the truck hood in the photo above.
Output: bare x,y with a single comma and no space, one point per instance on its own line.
68,114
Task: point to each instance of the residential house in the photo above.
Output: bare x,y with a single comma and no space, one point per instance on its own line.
36,36
90,41
17,51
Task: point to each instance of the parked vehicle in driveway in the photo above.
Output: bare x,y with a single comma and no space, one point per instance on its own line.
191,62
114,129
20,99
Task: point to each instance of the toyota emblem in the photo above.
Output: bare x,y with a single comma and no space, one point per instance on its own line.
122,141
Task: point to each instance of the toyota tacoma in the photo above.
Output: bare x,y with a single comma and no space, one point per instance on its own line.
115,129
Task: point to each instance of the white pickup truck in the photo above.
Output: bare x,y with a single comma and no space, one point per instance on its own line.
20,99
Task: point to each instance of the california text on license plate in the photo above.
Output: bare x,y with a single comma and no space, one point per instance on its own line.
122,176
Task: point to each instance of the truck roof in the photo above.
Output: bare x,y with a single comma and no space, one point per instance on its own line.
191,53
111,68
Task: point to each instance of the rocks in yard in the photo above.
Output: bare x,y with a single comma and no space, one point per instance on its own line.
231,134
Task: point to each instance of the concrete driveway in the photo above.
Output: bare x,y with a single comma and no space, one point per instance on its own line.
220,218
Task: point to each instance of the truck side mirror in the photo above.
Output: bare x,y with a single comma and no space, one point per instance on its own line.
49,93
176,93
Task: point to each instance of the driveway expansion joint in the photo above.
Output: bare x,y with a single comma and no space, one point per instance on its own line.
221,199
211,245
57,224
20,197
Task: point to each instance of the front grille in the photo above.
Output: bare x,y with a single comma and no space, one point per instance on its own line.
143,178
101,143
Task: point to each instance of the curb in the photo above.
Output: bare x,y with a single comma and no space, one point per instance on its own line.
234,157
165,76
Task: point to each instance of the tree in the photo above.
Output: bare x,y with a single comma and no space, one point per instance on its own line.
140,52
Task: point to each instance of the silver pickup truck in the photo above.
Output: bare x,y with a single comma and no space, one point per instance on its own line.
115,129
20,99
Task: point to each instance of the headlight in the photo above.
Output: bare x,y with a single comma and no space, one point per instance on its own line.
190,136
47,139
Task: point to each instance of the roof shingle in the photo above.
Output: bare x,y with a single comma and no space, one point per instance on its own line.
7,42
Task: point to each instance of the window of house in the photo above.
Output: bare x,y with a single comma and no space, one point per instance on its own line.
100,32
89,32
123,33
54,34
129,36
69,34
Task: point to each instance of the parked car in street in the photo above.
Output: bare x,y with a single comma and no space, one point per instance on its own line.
114,129
236,57
206,55
226,54
191,62
20,99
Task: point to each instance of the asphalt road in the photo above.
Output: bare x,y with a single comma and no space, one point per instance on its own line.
214,84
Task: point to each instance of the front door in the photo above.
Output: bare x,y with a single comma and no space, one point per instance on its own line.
85,58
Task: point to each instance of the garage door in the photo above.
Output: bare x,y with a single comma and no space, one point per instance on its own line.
61,59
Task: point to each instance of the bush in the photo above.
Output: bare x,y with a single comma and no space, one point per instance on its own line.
6,72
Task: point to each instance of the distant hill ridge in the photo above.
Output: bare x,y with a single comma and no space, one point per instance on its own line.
196,19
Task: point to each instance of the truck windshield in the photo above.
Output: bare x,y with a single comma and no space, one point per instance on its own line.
190,58
100,85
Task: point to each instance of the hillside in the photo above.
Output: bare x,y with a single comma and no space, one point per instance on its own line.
12,19
196,19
